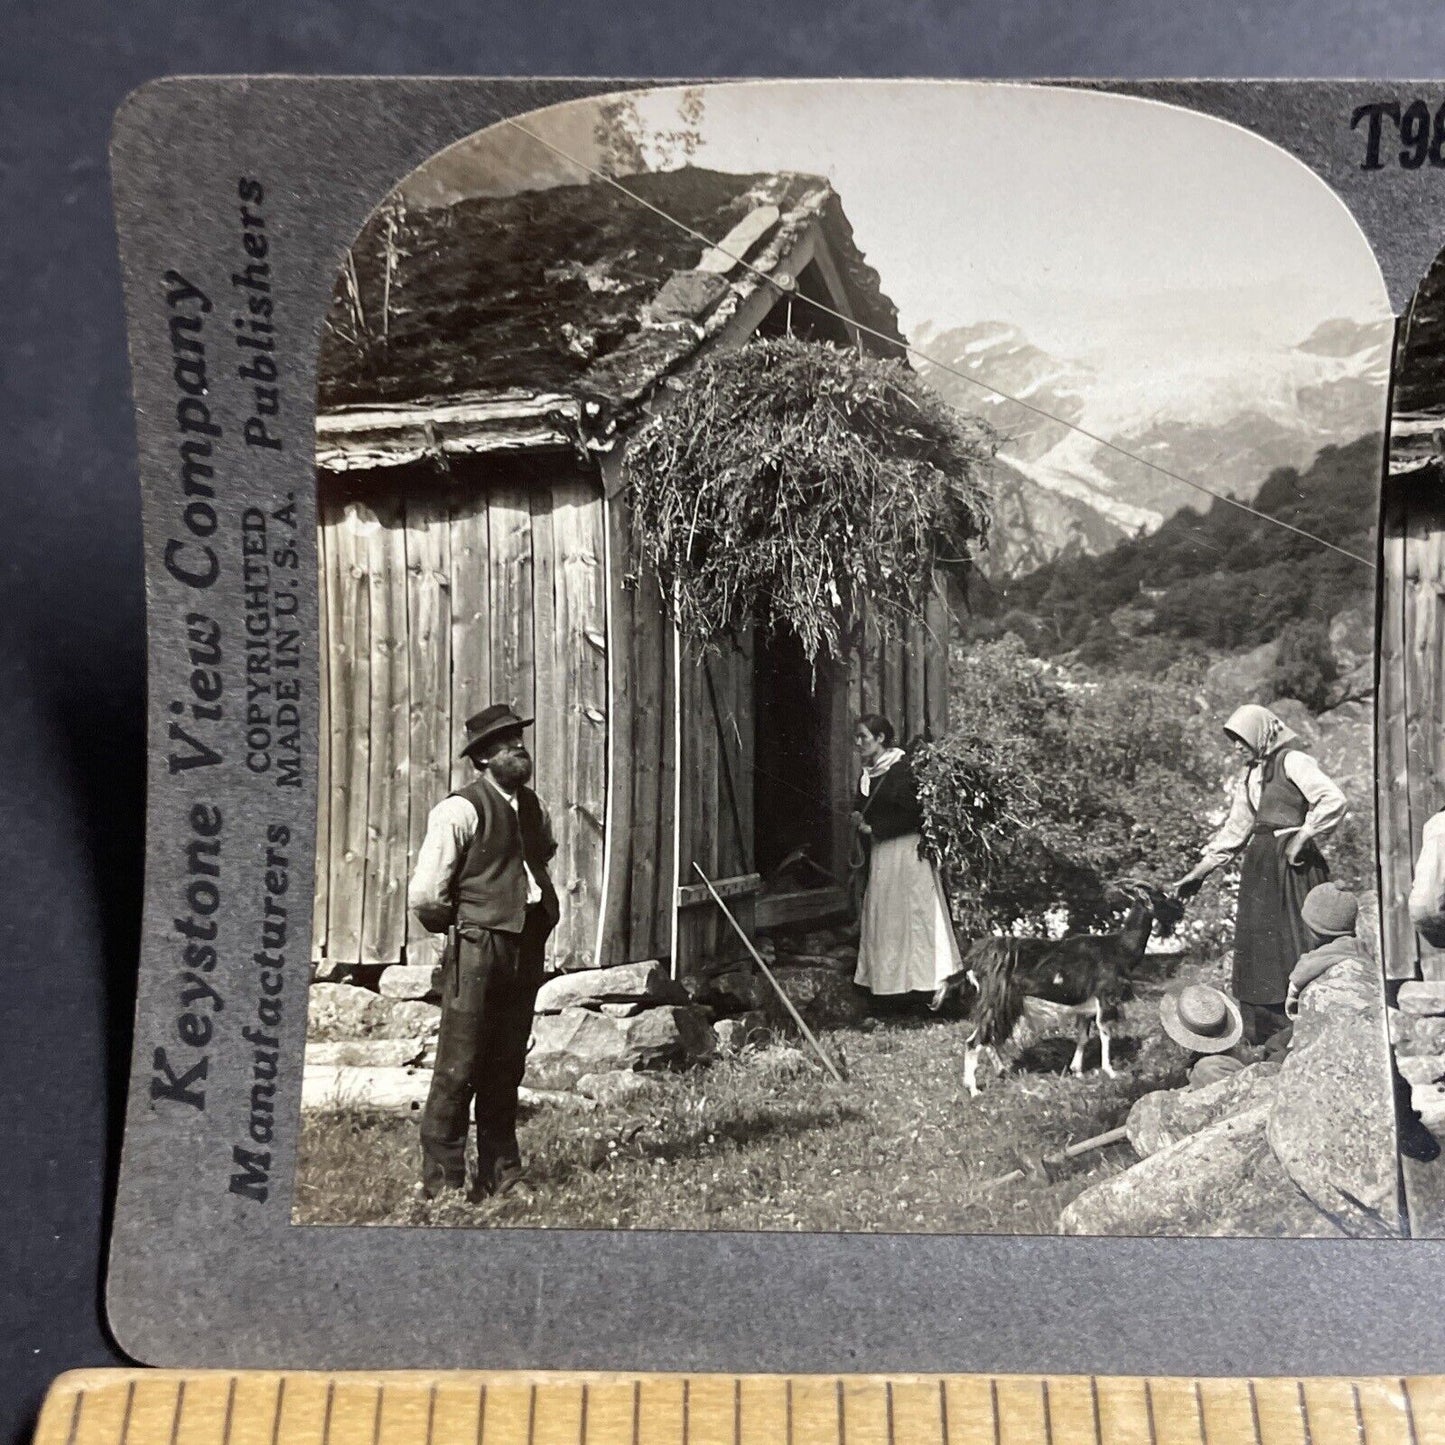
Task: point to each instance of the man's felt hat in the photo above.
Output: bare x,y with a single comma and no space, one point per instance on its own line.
1329,910
1202,1018
499,718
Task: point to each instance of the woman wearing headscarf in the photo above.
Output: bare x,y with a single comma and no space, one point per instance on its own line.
905,941
1283,804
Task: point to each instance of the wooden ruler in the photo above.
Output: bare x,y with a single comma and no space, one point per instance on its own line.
205,1407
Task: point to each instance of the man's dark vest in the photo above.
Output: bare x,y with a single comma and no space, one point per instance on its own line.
492,884
1281,804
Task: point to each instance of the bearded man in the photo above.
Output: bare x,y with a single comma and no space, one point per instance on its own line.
481,878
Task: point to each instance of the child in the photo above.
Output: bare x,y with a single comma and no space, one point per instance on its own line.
1329,912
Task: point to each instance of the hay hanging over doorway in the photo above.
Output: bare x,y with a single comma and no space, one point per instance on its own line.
789,481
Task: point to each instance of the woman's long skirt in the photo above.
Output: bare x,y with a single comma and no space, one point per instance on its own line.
905,940
1269,933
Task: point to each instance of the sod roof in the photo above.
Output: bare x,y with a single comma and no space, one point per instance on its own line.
574,290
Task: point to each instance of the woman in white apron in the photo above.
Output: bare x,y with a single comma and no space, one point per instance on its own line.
906,943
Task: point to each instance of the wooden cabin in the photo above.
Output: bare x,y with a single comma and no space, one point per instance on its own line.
1410,695
483,369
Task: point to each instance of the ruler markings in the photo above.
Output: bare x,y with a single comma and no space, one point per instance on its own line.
230,1411
276,1418
125,1418
75,1410
168,1407
1409,1412
176,1413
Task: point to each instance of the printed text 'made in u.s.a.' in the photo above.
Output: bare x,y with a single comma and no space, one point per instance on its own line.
269,563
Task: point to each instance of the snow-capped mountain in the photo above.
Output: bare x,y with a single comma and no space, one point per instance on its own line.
1223,422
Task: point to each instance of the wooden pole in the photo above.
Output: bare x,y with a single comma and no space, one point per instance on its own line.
1071,1151
768,974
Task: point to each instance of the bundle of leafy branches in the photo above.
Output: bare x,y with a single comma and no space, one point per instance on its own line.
792,483
977,804
1125,776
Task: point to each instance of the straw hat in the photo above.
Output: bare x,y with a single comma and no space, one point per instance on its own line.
1202,1018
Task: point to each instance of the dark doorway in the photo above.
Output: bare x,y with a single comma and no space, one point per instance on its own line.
792,761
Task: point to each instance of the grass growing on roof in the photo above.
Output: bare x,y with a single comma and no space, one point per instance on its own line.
792,482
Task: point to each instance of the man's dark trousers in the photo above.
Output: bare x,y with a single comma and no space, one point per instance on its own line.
489,988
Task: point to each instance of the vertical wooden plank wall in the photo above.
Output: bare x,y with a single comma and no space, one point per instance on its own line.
509,520
320,903
440,596
349,608
429,667
471,573
906,678
579,663
1392,777
639,887
1414,582
389,732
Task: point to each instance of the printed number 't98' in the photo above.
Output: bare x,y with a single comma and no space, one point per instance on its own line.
1422,135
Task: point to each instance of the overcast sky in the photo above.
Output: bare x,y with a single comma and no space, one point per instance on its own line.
1103,226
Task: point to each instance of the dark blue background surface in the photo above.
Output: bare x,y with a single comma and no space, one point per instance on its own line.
71,595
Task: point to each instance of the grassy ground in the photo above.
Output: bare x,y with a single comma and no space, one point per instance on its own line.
767,1141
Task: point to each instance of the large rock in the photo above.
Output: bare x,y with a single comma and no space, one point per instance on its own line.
384,1090
1415,1036
369,1053
1332,1125
580,1041
1161,1119
826,998
1425,998
394,1090
1343,742
1223,1180
342,1011
739,989
735,1034
1352,637
1242,677
624,983
408,980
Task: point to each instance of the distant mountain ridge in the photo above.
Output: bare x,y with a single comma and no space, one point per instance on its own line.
1226,427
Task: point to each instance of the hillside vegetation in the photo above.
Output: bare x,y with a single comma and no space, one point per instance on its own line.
1205,582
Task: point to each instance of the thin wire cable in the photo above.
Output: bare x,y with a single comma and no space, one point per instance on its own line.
857,325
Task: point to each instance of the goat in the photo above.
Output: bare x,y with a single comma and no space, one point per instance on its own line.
1088,973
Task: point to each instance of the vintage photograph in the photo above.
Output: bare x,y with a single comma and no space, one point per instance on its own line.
848,666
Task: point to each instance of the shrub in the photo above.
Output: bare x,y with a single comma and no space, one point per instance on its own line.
1306,665
1124,771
